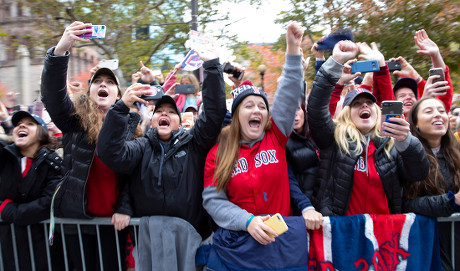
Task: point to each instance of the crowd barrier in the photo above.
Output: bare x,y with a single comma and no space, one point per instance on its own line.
97,222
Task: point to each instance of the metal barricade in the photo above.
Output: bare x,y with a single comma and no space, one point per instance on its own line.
62,222
97,222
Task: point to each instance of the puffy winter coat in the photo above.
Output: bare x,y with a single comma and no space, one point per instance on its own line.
336,168
167,179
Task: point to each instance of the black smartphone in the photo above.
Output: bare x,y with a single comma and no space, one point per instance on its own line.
437,71
185,89
230,69
156,92
394,65
365,66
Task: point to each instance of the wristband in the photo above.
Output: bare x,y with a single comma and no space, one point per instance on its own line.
249,221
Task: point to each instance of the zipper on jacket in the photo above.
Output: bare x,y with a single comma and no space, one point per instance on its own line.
163,155
86,181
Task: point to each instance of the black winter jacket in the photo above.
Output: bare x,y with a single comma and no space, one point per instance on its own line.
439,206
336,168
302,157
167,182
71,198
31,200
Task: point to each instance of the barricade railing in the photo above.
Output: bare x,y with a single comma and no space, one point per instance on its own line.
62,222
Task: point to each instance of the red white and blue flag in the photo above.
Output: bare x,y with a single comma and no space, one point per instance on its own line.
191,61
358,242
375,242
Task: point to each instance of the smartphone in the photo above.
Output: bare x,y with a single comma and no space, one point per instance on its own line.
394,65
187,120
185,89
98,32
156,72
437,71
111,64
391,109
276,222
365,66
230,69
155,94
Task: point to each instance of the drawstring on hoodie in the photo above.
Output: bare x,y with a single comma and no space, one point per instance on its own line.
367,139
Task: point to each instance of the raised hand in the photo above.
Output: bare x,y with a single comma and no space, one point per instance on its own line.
70,36
239,68
344,50
209,51
294,35
406,69
371,53
133,92
146,73
426,45
429,48
347,76
434,90
315,52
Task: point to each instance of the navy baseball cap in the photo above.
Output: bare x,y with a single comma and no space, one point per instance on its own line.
352,95
166,99
406,82
18,116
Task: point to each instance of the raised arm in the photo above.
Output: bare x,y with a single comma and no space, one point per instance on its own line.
208,125
290,88
319,117
54,78
382,87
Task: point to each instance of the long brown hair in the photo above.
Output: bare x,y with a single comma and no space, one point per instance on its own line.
91,118
435,184
228,150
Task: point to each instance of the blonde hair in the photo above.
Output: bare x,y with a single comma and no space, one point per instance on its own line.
346,132
228,150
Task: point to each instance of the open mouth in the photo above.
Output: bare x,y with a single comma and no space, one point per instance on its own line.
408,104
254,123
22,134
103,93
438,123
163,122
365,114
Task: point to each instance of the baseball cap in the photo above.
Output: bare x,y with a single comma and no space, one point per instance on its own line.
18,116
166,99
105,71
352,95
190,106
408,83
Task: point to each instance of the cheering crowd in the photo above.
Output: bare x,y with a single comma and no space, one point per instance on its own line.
112,152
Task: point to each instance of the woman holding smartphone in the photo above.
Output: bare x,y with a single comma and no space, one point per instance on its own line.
439,194
90,188
361,169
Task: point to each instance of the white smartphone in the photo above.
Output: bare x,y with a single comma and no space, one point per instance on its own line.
110,63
